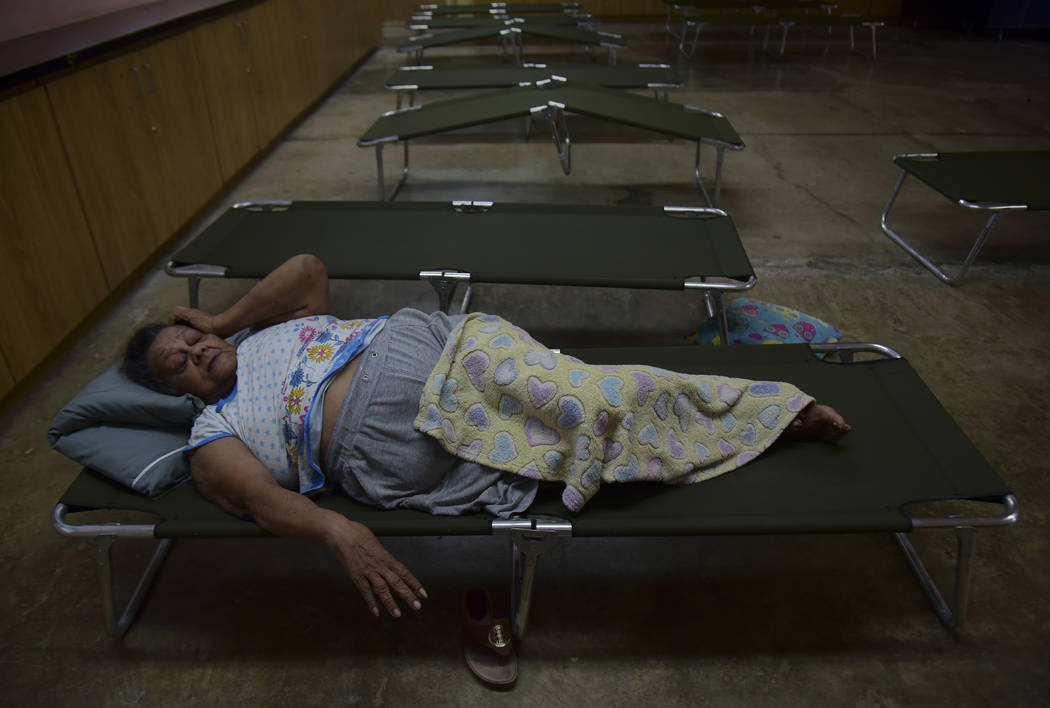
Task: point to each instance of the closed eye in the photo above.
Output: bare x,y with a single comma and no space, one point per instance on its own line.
177,362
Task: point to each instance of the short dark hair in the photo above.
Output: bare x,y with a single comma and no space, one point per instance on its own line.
136,359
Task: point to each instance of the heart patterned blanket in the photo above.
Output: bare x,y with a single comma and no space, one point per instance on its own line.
500,398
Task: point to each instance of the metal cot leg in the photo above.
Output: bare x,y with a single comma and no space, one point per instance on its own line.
529,538
194,283
719,160
118,627
926,262
381,177
952,615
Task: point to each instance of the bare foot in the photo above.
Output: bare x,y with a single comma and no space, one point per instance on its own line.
820,422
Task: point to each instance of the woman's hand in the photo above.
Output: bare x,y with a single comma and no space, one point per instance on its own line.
378,576
191,317
228,474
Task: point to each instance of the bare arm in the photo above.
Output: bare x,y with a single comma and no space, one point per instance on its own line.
226,473
296,288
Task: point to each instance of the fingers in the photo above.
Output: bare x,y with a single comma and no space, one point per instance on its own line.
192,317
383,587
179,314
382,580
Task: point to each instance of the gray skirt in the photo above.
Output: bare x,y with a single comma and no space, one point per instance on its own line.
380,459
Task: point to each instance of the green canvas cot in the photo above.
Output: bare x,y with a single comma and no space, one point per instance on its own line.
552,99
904,448
994,182
695,249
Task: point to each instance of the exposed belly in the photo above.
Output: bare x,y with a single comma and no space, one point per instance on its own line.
333,402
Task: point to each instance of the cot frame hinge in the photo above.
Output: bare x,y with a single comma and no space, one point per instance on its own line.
529,538
444,282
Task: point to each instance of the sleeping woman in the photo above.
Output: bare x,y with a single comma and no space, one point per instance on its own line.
449,415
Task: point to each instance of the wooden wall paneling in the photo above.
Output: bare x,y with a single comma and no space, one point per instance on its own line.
302,59
50,275
309,50
603,8
400,10
225,60
642,7
371,24
7,381
284,90
269,78
179,123
334,38
104,123
348,31
331,39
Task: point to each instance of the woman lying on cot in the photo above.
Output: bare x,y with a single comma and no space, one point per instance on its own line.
449,415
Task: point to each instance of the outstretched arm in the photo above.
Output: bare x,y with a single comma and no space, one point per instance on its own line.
296,288
226,472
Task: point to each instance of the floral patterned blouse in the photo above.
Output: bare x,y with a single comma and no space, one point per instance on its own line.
282,373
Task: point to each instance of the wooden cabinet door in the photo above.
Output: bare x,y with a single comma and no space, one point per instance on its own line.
401,10
340,41
50,275
315,51
225,60
104,122
6,381
140,144
643,7
179,123
276,77
365,28
307,59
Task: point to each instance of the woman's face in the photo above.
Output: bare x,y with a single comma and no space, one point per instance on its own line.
193,362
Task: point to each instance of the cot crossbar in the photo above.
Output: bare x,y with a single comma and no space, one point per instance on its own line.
904,449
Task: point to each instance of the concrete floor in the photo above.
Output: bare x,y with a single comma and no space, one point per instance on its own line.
804,620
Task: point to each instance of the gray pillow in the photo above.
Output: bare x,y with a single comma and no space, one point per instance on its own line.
127,432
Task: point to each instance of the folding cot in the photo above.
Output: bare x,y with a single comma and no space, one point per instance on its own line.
510,32
689,8
500,8
409,79
685,248
768,20
904,448
995,182
551,99
423,23
785,14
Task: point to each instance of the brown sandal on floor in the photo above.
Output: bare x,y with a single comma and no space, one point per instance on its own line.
488,647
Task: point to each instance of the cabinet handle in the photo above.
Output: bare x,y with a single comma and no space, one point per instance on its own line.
138,81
